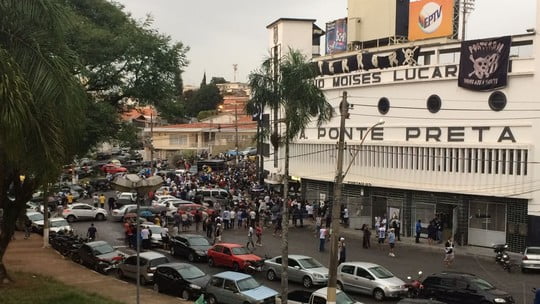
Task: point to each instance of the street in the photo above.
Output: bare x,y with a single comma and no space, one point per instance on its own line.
408,261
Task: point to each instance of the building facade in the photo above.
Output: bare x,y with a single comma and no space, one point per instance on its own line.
465,156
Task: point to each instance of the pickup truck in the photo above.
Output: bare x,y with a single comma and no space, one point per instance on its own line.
316,297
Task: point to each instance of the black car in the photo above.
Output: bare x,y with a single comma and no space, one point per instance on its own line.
462,288
193,247
98,255
181,279
101,184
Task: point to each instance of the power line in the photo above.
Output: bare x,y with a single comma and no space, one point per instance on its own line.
447,109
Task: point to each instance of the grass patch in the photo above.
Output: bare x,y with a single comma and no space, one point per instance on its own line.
34,289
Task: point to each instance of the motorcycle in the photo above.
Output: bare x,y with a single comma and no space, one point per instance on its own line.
105,267
414,286
502,257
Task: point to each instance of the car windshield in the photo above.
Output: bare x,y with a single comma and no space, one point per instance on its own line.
198,242
343,298
191,272
103,249
309,263
381,272
239,250
247,284
482,284
158,261
36,217
533,250
59,223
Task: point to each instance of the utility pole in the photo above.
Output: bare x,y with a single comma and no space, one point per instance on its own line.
336,204
467,7
151,142
236,128
235,68
275,132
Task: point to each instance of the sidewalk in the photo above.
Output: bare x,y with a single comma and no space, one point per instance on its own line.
29,256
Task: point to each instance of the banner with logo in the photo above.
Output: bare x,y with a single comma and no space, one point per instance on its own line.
336,36
483,64
430,19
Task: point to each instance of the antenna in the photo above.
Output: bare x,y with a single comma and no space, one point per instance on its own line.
467,6
235,68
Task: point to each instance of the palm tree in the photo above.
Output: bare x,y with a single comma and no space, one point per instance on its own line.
301,101
41,105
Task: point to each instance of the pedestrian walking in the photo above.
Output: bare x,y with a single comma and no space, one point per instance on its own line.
197,218
27,227
432,233
145,237
165,237
217,233
449,252
323,232
95,200
102,199
392,242
278,228
366,240
209,227
258,233
111,204
342,250
91,233
381,235
250,238
418,230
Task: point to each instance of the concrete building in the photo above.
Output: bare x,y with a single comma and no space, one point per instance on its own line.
465,155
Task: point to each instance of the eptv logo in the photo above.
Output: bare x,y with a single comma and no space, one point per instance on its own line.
430,17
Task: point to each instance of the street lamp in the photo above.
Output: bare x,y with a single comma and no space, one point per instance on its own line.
129,183
336,204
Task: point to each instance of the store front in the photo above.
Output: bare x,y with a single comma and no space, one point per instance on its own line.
487,223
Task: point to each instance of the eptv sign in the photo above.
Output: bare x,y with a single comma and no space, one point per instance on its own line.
430,19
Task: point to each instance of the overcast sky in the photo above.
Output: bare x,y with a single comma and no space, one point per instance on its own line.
222,33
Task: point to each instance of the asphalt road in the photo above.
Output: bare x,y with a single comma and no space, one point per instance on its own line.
409,259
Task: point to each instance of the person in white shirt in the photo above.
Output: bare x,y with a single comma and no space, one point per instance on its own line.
232,215
323,232
145,236
165,237
250,238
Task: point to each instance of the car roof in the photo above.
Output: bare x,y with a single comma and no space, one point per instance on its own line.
361,264
54,219
297,256
32,213
532,247
96,243
176,265
453,274
230,245
79,204
149,255
232,275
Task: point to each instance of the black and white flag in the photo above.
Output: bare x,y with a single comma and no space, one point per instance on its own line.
484,63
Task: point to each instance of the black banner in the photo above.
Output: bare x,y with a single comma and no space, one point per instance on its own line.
484,64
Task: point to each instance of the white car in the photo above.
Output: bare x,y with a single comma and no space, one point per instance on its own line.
127,196
155,239
80,211
55,224
172,204
118,214
160,198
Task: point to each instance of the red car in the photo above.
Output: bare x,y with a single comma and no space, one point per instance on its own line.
234,256
191,208
113,169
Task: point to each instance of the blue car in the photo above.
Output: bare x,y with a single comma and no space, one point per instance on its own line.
237,288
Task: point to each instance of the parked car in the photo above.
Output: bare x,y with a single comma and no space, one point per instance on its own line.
32,206
418,301
234,256
370,279
192,246
98,255
181,279
101,184
126,195
317,297
159,198
531,259
148,263
80,211
459,288
191,208
34,217
237,288
249,151
112,168
155,238
302,269
56,224
172,205
118,214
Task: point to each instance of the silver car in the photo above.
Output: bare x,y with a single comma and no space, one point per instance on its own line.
371,279
149,261
237,288
531,259
302,269
118,214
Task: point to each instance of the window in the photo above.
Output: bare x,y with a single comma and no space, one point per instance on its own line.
448,282
226,251
434,104
178,140
217,282
497,101
319,300
347,269
383,105
218,248
230,285
293,263
432,281
131,261
278,260
361,272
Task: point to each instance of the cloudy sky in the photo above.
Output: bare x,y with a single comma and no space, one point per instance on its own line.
222,33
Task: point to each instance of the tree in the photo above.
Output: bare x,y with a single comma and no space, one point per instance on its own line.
128,136
206,98
36,85
294,91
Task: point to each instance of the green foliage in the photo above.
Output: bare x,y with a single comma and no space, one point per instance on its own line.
172,111
205,114
128,136
206,98
218,80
